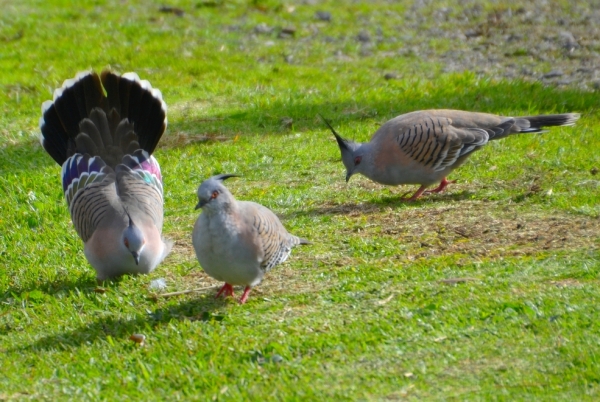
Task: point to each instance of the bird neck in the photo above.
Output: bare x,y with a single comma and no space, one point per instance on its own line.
229,208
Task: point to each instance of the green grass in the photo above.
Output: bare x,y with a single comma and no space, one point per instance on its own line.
488,291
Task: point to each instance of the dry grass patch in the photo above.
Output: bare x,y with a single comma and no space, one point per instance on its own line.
473,228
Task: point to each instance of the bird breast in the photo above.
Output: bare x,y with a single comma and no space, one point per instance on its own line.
391,166
222,249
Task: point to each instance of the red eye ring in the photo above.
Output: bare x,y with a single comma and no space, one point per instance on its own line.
126,242
357,160
214,195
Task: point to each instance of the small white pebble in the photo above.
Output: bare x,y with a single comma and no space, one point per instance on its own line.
158,284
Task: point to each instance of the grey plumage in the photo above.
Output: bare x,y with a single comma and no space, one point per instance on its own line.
112,183
423,147
237,242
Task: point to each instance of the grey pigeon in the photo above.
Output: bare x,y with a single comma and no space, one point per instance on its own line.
102,130
423,147
237,242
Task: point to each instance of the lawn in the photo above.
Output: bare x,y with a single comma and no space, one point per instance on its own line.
489,291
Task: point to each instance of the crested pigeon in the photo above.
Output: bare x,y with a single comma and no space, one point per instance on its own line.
237,242
111,181
423,147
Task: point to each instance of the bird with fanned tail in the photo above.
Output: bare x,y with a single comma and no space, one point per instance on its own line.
102,130
423,147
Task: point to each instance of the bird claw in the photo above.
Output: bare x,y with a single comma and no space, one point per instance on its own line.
245,295
226,290
416,195
443,184
403,196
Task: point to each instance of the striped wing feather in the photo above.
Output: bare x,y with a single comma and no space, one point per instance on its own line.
436,143
93,190
275,241
89,189
439,139
141,193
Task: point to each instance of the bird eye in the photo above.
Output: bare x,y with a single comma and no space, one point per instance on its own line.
215,194
357,160
126,242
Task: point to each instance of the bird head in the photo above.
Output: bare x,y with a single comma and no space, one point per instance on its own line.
133,240
212,193
351,157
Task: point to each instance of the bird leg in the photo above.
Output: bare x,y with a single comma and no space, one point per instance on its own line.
443,184
245,295
226,290
415,195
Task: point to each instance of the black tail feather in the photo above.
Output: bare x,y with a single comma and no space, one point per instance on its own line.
530,124
99,119
550,120
56,140
81,106
110,82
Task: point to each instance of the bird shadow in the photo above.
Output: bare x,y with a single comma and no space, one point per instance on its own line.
376,205
197,309
423,200
85,284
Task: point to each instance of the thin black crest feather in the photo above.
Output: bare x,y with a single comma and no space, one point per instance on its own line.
224,176
128,216
341,141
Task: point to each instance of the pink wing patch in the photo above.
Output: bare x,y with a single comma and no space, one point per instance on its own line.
140,160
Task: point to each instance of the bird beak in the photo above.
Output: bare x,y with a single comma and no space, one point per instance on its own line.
200,204
136,257
349,174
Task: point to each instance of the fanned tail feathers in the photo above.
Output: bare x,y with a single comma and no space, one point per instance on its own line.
82,119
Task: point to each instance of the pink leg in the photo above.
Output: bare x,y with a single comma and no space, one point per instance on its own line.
415,195
443,184
245,295
226,290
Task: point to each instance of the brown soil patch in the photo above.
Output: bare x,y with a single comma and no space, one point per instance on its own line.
481,232
483,229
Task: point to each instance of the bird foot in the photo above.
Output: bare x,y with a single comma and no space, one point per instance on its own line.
226,290
416,195
245,295
443,184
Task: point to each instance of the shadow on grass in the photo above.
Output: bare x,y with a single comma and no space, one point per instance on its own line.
464,92
28,155
459,91
376,205
85,284
198,309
